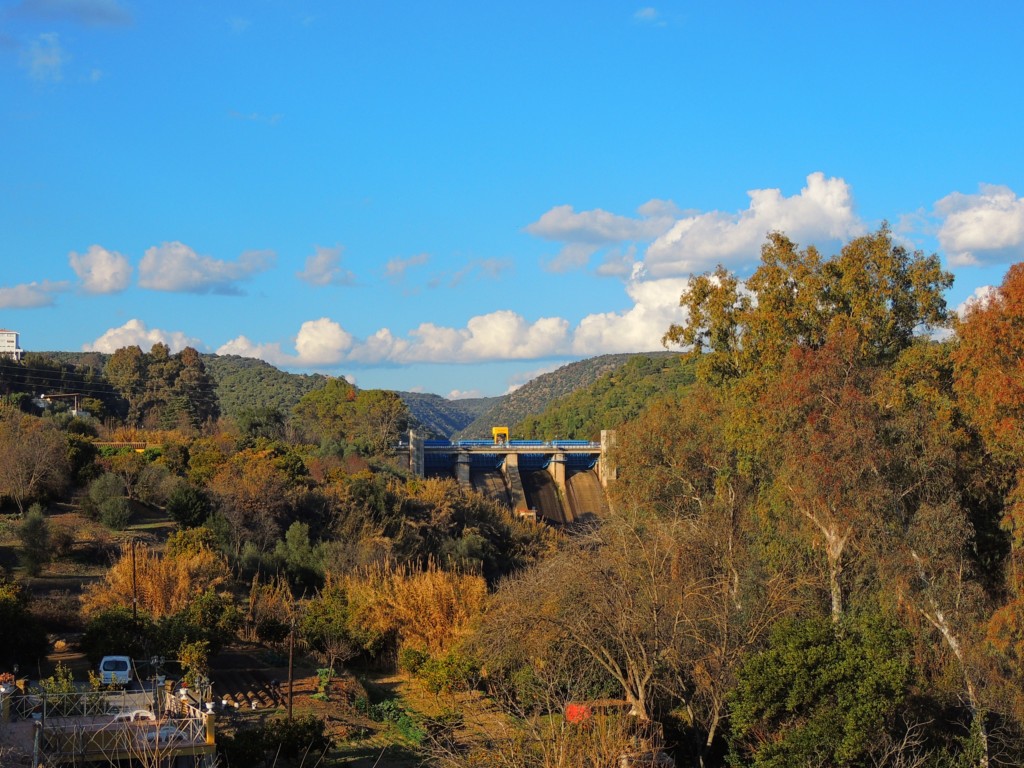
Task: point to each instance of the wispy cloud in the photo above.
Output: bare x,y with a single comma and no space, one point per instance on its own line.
490,269
584,233
396,268
88,12
649,15
28,295
255,117
44,58
176,267
324,268
463,394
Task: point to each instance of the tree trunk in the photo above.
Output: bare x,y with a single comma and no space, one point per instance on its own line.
937,618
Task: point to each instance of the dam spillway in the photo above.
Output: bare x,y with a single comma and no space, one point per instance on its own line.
561,482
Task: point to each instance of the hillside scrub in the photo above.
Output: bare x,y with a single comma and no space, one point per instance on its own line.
813,553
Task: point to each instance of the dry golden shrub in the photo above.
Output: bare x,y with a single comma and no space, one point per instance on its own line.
164,585
429,608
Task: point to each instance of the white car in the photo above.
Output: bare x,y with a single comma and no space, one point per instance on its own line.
116,670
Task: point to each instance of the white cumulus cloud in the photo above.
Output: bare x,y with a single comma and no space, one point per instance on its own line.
322,342
501,335
135,333
176,267
986,228
497,336
324,268
638,329
319,344
245,347
100,270
823,210
980,295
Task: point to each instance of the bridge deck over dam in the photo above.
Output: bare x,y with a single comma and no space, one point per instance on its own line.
560,481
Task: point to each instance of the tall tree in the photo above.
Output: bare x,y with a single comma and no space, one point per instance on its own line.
990,383
33,458
126,371
989,380
824,451
379,417
885,293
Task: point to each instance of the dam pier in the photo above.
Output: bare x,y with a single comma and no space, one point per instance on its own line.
558,481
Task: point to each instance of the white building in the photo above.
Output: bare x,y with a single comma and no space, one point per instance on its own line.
9,345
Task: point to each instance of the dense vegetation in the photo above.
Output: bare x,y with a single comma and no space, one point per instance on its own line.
813,558
614,399
245,383
534,397
436,416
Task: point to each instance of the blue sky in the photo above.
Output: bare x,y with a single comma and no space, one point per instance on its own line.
454,197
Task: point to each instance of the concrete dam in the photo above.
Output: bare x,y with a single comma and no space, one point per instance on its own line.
561,482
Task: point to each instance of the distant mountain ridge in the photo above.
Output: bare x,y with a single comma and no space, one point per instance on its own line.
243,383
534,397
436,416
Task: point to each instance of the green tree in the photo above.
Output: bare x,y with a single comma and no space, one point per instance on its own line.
300,558
196,388
116,632
378,418
822,693
325,626
324,413
882,292
188,506
262,422
35,540
126,371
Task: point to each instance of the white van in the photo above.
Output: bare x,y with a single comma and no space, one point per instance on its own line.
116,670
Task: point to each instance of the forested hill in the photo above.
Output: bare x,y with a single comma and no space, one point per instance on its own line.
240,382
604,389
437,416
246,383
614,399
537,395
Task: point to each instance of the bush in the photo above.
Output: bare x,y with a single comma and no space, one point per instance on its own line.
115,513
35,539
106,486
453,671
114,632
390,711
155,485
277,744
188,506
411,660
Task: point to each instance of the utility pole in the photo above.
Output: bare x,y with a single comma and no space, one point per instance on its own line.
135,593
291,658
